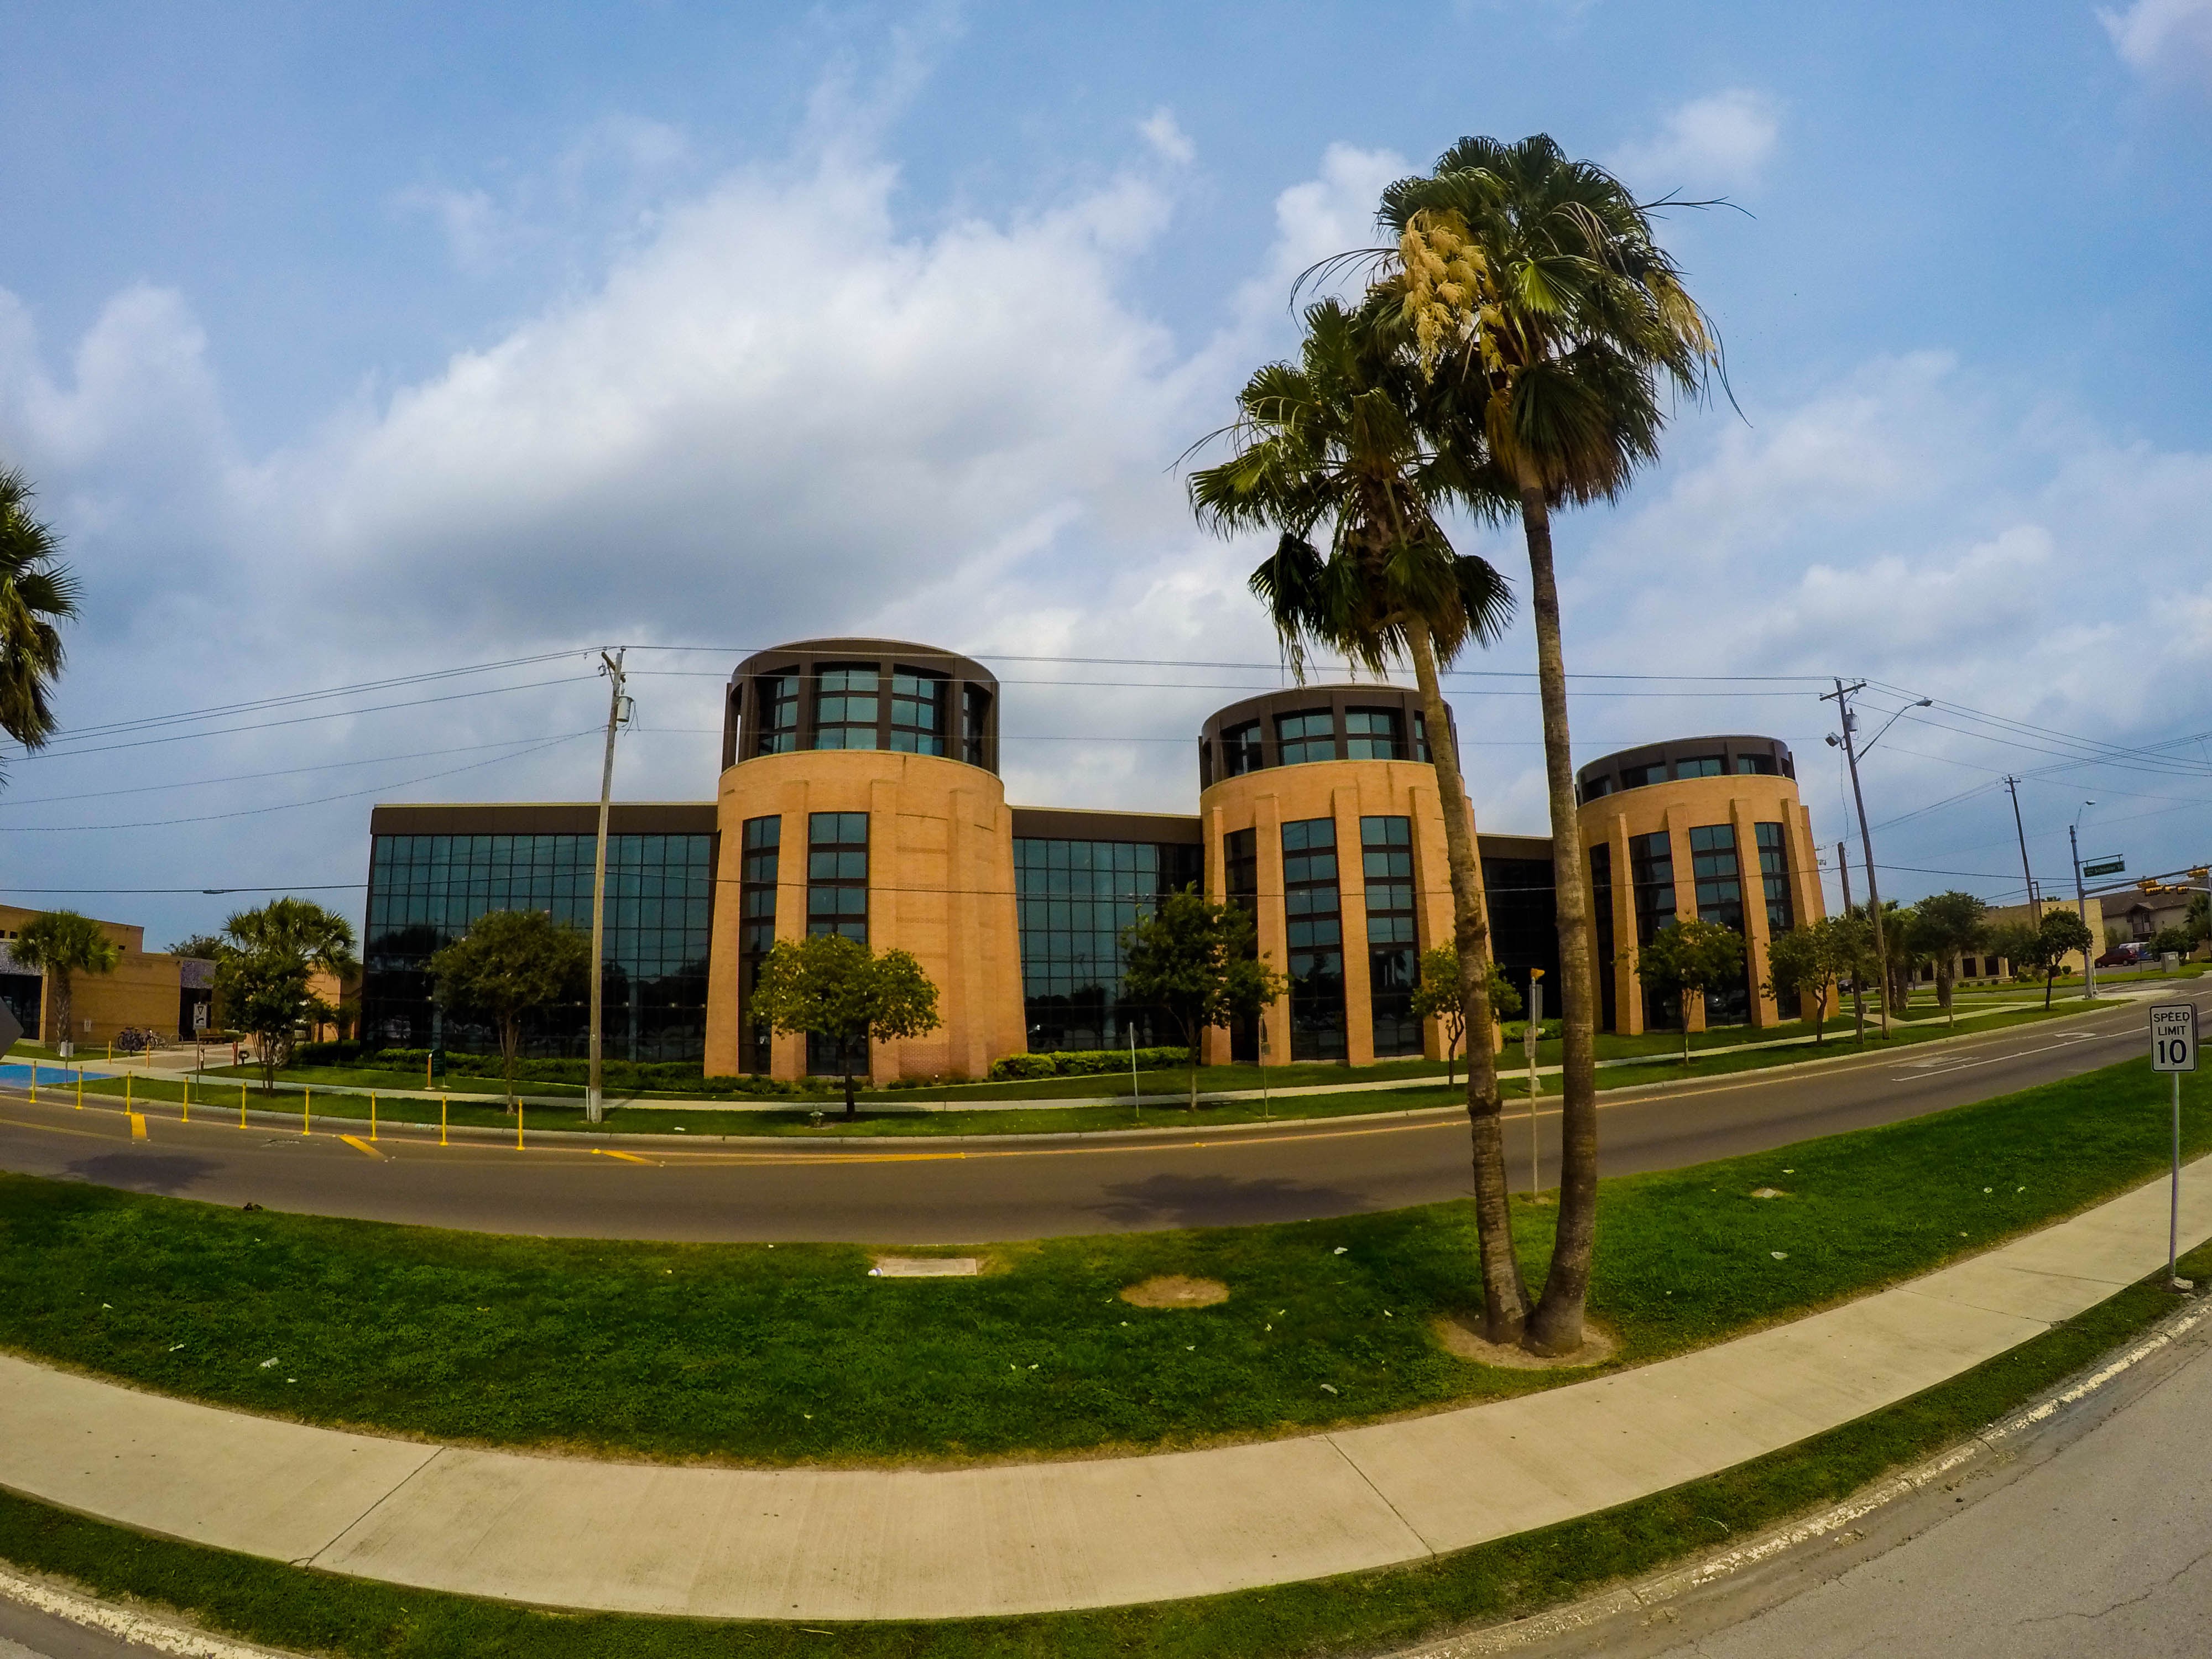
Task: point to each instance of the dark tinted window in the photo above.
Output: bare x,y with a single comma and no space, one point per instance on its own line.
1314,935
1698,766
1386,858
918,712
778,713
1373,734
1311,736
847,707
1241,750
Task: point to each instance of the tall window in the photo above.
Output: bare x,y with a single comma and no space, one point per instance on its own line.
1373,734
848,703
778,713
1651,883
1074,897
1421,737
756,930
1307,737
918,712
974,712
837,874
1240,861
1774,876
1601,856
1315,928
1386,858
1240,750
1719,875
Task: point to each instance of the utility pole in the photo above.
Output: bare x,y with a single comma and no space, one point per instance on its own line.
2026,874
595,1108
1866,840
1858,991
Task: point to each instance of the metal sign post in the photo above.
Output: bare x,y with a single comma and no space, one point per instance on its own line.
2174,1048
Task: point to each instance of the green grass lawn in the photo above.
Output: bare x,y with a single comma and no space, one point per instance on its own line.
349,1108
1508,1578
793,1354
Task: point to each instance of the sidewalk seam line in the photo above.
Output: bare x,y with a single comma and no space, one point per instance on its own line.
332,1541
1381,1495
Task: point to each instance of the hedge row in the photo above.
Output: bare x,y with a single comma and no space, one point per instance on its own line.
1083,1062
623,1076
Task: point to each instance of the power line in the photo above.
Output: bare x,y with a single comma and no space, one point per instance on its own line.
281,806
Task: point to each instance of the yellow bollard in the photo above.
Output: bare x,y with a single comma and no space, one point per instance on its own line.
126,1091
35,1083
80,1088
518,1123
441,1119
306,1105
372,1114
426,1070
188,1099
241,1103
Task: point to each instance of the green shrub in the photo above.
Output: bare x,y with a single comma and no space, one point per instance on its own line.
1084,1062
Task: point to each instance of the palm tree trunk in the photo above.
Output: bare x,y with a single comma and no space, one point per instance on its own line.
1504,1293
64,1013
1557,1327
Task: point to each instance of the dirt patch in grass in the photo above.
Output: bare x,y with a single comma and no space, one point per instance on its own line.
1461,1338
1175,1291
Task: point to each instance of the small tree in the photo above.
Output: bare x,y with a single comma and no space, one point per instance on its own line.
1806,962
2014,944
2197,924
2058,935
65,943
2174,941
1193,958
509,964
831,987
1944,926
1441,995
270,995
1686,958
266,965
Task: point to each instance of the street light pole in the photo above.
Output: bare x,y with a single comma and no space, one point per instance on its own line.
2081,906
595,1111
1842,696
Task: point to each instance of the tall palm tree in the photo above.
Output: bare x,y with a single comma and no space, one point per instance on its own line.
298,929
1328,450
36,592
62,943
1554,325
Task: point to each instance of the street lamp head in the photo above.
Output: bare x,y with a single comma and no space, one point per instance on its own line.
1834,742
1925,702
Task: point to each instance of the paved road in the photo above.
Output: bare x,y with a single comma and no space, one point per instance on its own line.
2092,1540
925,1192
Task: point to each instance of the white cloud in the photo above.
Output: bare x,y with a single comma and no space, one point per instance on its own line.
1166,136
1715,142
2164,39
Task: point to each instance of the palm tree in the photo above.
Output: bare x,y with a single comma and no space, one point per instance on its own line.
36,592
63,944
1552,321
1328,450
298,929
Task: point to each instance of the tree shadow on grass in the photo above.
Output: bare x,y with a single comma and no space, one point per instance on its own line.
167,1174
1166,1200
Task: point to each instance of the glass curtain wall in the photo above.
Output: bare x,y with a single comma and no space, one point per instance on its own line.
1240,872
1312,911
1719,876
1651,889
1774,877
918,714
425,891
1311,736
847,704
836,903
778,715
1074,897
1601,857
1386,858
756,930
1524,921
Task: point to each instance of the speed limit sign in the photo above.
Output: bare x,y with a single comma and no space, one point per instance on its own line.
2174,1048
2173,1037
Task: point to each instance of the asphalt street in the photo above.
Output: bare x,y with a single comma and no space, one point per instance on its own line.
933,1192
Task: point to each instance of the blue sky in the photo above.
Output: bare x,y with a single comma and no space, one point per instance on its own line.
357,344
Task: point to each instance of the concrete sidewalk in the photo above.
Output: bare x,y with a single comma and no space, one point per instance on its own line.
819,1544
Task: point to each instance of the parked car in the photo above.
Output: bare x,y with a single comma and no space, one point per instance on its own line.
2121,955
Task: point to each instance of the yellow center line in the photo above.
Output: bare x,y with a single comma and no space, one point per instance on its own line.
627,1158
364,1148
